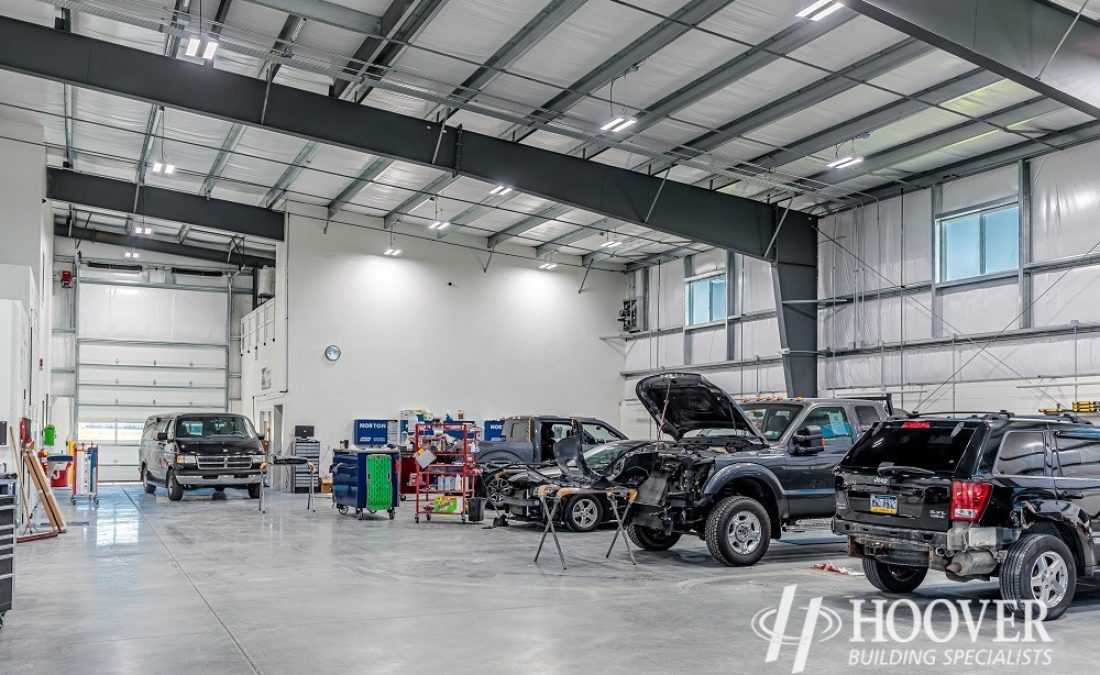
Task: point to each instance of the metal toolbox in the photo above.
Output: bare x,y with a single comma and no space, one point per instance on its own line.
351,480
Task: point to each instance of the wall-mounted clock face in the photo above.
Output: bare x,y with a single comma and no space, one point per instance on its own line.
332,353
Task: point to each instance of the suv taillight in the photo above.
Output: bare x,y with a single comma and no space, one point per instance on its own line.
968,499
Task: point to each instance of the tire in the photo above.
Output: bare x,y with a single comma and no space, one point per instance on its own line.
738,531
254,491
582,513
1039,567
893,578
175,490
648,539
219,489
496,488
150,489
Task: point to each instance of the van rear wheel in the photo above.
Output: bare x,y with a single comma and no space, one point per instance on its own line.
146,483
893,578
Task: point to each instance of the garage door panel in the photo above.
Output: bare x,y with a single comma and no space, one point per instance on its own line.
146,313
160,355
107,375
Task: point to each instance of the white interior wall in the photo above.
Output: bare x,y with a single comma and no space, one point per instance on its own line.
431,329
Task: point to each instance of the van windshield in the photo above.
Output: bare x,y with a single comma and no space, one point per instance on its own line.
210,426
932,445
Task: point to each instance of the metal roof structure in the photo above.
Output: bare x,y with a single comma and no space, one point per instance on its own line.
743,97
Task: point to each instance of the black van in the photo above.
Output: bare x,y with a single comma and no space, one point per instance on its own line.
185,451
975,496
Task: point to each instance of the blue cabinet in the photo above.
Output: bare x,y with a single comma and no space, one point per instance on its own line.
352,484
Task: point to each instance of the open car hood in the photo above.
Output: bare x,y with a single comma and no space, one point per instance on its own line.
693,403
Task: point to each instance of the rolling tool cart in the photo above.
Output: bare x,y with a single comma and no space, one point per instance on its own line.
85,473
367,481
445,472
8,487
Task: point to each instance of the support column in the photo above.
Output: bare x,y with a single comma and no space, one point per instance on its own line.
794,273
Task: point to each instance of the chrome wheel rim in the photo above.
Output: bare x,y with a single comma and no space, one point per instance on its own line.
495,490
584,513
1049,578
744,532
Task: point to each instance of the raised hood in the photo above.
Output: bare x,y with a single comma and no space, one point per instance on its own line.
694,403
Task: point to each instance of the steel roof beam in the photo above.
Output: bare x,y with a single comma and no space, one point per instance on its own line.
924,145
832,85
403,20
62,228
864,124
181,207
1040,45
573,237
714,218
327,13
744,64
292,27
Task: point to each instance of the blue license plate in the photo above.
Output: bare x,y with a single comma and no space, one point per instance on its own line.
884,504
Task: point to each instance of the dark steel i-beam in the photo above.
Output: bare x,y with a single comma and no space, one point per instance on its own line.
61,229
181,207
1015,38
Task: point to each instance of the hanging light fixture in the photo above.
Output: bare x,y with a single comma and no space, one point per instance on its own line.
197,44
163,166
548,266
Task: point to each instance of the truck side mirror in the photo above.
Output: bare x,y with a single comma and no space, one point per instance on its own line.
162,436
260,437
808,441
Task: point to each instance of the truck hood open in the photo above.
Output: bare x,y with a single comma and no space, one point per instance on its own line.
689,402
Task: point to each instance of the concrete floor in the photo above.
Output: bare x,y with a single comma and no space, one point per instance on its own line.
212,586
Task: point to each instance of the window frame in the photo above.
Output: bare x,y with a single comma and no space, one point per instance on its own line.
709,278
982,211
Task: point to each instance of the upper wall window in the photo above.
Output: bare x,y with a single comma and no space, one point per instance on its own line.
706,300
978,243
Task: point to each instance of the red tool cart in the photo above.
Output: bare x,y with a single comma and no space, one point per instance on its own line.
445,472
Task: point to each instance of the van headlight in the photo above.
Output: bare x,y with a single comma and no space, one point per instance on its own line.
257,460
186,460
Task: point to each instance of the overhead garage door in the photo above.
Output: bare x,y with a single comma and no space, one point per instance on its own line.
143,350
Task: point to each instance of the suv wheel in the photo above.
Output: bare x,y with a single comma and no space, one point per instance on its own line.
150,489
738,531
649,539
175,490
496,488
582,513
1039,567
893,578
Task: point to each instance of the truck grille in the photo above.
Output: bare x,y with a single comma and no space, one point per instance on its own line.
207,462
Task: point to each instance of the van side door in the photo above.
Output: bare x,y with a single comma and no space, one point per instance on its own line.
158,463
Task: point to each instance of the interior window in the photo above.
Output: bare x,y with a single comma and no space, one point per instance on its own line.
598,433
705,300
515,430
832,420
1023,453
1079,453
978,243
559,431
866,415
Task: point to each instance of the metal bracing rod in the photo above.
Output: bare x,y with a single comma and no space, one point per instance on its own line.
292,27
927,310
601,226
526,38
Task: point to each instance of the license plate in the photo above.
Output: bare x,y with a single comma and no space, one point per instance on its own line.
884,504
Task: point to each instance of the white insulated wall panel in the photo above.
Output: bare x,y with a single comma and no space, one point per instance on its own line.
981,188
666,295
708,261
757,289
707,345
757,338
1064,295
1065,200
649,353
879,241
917,237
982,309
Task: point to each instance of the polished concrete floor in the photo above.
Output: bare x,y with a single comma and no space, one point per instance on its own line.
209,586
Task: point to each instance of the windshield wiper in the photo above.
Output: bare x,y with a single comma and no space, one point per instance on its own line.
896,469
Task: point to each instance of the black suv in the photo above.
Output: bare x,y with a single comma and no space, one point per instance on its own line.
187,451
975,496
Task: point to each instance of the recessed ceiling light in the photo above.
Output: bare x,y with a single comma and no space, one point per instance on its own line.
630,121
827,7
613,123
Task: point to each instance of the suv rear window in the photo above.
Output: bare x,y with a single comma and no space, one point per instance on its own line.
930,445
